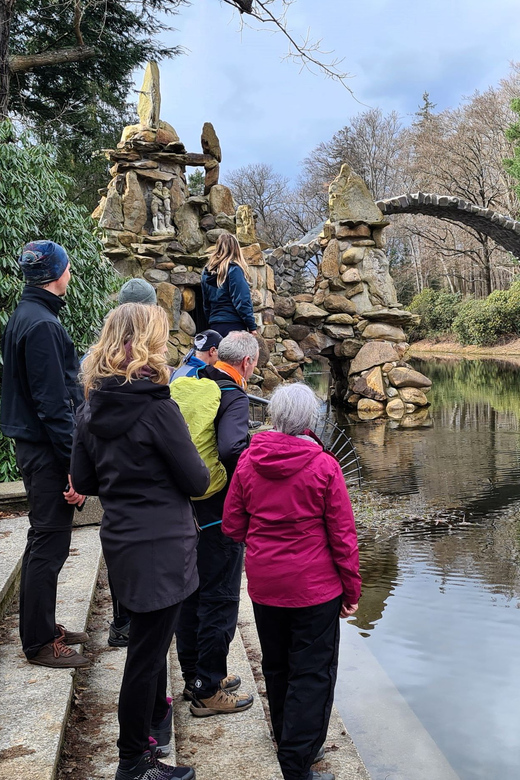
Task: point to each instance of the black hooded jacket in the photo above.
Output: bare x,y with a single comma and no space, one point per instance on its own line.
133,449
40,391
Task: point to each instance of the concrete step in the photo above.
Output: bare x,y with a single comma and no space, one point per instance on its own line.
35,701
13,535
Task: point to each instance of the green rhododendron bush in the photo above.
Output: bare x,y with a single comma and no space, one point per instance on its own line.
34,205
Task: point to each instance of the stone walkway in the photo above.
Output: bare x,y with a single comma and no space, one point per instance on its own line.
39,706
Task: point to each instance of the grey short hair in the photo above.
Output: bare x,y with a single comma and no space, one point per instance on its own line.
236,346
293,408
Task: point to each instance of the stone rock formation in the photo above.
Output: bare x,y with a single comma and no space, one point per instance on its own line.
348,313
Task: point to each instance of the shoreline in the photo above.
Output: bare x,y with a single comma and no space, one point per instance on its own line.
449,348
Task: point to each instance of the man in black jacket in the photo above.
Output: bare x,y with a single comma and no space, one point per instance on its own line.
40,394
209,617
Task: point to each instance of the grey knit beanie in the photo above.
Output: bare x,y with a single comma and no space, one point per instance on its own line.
137,291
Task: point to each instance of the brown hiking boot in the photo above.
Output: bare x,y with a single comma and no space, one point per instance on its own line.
72,637
221,703
229,684
57,655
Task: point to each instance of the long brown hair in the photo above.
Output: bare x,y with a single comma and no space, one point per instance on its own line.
227,250
134,336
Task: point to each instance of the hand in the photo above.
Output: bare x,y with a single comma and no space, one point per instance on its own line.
70,495
253,332
348,609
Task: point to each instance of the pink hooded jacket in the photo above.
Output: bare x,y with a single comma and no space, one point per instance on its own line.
288,501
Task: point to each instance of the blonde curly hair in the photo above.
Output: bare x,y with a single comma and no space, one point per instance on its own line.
135,331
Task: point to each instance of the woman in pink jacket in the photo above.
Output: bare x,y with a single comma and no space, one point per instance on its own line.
289,503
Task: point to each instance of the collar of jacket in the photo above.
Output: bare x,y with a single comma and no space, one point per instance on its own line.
232,372
48,299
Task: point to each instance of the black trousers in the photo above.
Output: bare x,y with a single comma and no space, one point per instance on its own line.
142,699
48,542
119,612
300,649
209,616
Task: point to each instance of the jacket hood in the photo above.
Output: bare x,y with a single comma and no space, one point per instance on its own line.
210,279
277,456
116,406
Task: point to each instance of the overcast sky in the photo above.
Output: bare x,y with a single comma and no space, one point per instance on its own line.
266,110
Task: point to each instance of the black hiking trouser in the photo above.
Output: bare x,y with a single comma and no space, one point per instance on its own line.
142,699
300,649
209,616
48,542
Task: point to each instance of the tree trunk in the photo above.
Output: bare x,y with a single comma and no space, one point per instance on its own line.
6,13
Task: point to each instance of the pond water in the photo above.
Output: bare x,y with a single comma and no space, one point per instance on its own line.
429,679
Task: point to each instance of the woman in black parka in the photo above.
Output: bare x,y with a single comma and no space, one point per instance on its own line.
133,449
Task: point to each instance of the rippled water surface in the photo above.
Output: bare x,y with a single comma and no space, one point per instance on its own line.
440,614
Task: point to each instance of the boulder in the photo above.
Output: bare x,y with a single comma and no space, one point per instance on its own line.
293,351
340,319
149,103
270,331
208,222
330,261
284,307
338,304
308,313
187,222
354,231
406,377
370,385
112,217
374,353
351,276
419,418
263,354
395,408
155,275
185,277
353,255
348,348
339,331
189,300
395,317
225,221
271,379
315,343
170,298
350,200
214,234
381,330
412,395
209,141
187,324
374,272
177,194
354,289
134,204
297,332
221,201
287,369
253,255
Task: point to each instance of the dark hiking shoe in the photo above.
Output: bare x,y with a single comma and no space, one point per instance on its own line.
320,755
229,684
118,637
71,637
221,703
163,733
58,655
149,768
322,776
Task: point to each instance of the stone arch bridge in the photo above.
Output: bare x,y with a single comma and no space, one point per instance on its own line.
504,230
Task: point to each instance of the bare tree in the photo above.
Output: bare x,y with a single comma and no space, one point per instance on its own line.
269,195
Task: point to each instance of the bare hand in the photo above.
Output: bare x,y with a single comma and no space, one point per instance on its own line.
348,609
253,332
71,497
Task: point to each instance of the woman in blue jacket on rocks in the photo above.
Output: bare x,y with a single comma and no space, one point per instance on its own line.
225,289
